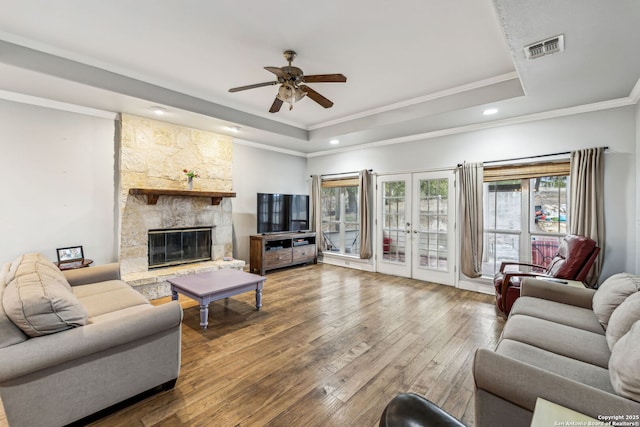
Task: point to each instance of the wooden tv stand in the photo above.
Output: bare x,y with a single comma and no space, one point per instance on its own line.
271,251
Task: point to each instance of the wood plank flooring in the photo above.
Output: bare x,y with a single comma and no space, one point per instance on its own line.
330,347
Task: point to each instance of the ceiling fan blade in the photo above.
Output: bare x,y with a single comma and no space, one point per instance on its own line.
325,78
275,107
277,71
238,89
317,97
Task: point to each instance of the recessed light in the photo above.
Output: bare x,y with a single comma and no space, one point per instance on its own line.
490,111
234,129
158,111
334,142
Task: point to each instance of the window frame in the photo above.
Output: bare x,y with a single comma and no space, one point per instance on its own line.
341,185
524,173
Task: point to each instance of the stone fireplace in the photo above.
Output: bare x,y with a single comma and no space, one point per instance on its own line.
153,155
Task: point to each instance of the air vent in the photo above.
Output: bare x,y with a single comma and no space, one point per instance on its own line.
545,47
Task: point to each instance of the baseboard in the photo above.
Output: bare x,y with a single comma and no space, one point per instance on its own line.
347,261
483,288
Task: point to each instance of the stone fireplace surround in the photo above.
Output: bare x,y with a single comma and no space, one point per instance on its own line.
153,154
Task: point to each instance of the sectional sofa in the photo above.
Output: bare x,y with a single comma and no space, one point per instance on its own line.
75,343
576,347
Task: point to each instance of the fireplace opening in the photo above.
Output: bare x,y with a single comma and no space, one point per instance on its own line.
179,246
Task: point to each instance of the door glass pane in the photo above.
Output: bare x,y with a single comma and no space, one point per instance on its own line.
549,201
543,249
331,218
433,226
393,220
507,205
499,247
502,223
351,220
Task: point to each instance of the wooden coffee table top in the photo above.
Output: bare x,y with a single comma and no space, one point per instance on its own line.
209,282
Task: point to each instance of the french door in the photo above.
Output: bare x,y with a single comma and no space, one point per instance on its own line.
415,232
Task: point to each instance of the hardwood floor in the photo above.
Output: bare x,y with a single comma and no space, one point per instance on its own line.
330,347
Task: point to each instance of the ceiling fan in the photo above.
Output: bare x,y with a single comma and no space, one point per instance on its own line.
293,84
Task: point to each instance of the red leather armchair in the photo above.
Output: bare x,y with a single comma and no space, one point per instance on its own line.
573,261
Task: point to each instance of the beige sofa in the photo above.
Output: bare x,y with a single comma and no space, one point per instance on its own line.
576,347
75,343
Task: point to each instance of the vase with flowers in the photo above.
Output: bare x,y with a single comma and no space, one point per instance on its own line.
190,175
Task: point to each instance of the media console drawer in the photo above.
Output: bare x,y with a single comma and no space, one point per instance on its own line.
278,257
271,251
304,253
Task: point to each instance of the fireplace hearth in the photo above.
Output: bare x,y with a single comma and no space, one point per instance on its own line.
176,246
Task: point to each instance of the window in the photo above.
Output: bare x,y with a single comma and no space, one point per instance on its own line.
341,216
524,218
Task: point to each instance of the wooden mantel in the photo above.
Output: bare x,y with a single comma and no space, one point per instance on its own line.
154,193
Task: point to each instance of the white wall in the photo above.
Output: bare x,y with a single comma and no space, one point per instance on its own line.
614,128
56,181
261,171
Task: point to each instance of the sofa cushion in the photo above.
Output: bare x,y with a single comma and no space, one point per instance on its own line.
107,297
561,339
624,365
39,300
564,314
612,293
623,318
10,334
585,373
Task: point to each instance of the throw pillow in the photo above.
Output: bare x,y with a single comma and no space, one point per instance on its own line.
10,334
32,262
612,293
622,318
39,300
624,364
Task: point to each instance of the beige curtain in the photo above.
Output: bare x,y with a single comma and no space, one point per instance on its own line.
586,204
316,211
366,190
472,229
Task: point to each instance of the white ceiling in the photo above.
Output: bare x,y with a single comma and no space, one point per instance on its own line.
413,66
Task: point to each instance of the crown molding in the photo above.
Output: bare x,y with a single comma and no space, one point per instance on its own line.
635,93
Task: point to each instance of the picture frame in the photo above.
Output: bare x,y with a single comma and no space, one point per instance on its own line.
70,254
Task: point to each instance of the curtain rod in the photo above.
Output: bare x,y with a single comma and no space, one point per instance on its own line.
530,157
342,173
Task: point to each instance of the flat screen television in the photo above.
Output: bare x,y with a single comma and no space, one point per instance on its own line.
282,212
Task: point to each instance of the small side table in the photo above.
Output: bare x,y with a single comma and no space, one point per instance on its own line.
547,414
74,264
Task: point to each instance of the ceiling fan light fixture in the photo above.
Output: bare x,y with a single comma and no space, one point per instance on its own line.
290,94
299,94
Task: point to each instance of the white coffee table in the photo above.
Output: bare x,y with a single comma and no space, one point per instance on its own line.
216,285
